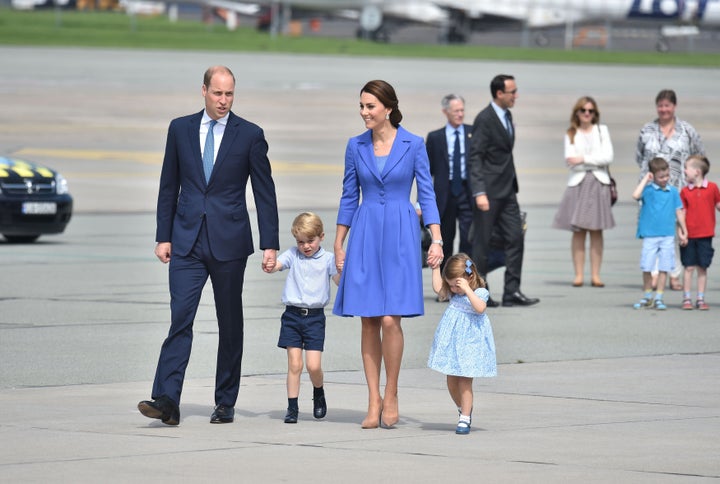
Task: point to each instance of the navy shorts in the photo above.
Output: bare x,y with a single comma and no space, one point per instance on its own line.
697,252
302,328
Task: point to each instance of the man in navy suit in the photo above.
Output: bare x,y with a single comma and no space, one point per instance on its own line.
494,184
203,230
446,148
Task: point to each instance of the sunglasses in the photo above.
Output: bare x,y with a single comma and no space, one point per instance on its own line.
586,111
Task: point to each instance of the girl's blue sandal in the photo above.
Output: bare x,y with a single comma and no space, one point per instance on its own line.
463,427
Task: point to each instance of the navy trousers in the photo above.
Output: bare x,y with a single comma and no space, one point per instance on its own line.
458,209
188,275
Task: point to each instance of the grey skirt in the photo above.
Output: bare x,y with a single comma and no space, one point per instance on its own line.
585,207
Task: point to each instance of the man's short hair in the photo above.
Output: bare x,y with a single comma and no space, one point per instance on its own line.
445,103
498,83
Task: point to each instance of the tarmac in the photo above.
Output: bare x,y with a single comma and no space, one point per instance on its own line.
588,389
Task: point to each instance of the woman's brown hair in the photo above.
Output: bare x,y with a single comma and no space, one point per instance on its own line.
575,120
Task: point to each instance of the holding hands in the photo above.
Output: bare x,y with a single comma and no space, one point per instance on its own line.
435,255
269,260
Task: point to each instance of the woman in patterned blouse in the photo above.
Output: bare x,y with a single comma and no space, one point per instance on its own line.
673,139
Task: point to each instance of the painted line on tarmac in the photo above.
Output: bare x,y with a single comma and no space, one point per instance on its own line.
278,166
155,158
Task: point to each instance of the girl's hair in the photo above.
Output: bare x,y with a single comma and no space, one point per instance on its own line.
385,93
575,120
460,265
307,224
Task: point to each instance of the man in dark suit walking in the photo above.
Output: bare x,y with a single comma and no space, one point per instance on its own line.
203,230
446,148
494,185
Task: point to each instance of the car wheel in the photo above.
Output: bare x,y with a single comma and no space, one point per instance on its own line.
21,239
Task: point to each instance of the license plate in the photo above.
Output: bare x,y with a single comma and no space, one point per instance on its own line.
39,208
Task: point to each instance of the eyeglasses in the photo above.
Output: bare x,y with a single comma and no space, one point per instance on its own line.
586,111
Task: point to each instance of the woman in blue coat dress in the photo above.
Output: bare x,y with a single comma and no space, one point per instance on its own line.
381,273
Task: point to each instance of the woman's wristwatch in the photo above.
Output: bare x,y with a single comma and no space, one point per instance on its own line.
438,242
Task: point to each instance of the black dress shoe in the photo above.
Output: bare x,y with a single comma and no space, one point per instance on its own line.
291,416
319,407
491,303
222,414
519,299
163,408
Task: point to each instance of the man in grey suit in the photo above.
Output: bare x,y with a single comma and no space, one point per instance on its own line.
494,184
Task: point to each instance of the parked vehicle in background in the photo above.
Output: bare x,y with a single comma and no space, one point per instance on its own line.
34,200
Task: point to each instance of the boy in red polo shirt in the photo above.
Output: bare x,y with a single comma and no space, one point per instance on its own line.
700,198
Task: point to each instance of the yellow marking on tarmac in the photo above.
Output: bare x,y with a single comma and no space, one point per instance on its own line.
295,167
146,157
155,158
278,166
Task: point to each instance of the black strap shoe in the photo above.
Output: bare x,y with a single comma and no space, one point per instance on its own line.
319,407
291,416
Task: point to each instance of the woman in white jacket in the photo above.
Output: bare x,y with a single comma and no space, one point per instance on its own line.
586,206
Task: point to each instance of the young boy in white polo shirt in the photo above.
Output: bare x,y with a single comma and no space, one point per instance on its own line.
306,293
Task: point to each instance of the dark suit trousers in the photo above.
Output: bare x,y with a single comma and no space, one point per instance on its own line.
458,210
504,214
188,275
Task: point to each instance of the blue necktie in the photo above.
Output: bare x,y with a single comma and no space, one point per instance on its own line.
209,151
456,184
508,123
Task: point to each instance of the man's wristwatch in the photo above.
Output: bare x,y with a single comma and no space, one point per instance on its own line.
438,242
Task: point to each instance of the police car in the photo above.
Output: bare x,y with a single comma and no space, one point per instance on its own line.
34,200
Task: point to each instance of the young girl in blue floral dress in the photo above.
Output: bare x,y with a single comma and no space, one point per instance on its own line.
463,347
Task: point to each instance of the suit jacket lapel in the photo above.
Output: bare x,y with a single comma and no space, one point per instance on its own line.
445,147
500,125
398,150
194,137
365,148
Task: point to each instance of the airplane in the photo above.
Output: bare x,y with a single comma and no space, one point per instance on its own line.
456,19
536,14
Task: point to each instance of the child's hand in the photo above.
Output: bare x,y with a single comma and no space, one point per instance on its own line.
683,240
649,176
462,284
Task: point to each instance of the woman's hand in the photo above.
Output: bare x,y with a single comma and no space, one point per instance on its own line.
435,255
339,259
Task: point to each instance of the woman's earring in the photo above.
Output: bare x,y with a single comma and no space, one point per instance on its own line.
387,115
